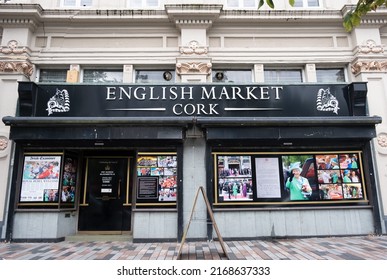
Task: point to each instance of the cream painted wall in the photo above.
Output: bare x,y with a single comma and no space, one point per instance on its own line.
122,4
8,101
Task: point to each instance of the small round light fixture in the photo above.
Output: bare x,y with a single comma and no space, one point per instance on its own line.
167,75
219,76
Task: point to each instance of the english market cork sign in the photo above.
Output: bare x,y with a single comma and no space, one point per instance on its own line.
253,100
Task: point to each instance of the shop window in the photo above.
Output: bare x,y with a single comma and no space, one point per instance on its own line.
306,3
285,179
53,75
232,76
49,180
143,4
102,76
156,179
76,3
242,4
291,76
330,75
155,76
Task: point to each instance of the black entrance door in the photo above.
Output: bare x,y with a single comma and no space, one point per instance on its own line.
104,201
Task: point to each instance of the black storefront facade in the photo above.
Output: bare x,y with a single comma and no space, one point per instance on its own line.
113,159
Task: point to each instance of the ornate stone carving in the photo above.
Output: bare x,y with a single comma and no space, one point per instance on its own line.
382,140
370,47
23,67
193,48
3,143
193,68
369,66
13,48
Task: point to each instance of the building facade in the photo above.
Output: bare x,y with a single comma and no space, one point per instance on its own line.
116,112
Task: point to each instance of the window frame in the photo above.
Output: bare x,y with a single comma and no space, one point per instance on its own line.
144,5
305,4
102,69
31,185
332,68
156,200
58,68
241,5
281,197
215,72
165,74
298,69
77,4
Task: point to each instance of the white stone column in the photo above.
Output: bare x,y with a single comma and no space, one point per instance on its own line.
193,65
370,65
14,67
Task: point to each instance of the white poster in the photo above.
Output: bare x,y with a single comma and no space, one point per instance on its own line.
40,181
267,178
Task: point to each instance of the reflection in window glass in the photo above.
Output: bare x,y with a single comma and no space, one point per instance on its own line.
152,3
306,3
74,3
69,2
241,3
102,76
330,75
232,76
313,3
283,76
143,3
248,3
155,76
53,75
232,3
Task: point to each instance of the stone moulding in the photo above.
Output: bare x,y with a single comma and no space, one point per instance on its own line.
22,67
368,66
193,68
193,48
370,47
4,145
13,48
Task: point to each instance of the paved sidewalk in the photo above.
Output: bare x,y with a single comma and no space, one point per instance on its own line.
332,248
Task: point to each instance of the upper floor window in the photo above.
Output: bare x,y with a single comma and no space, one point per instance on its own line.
242,4
141,4
330,75
102,76
283,76
155,76
232,76
306,3
76,3
52,75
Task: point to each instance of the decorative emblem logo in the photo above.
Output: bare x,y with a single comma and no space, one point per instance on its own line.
60,102
326,101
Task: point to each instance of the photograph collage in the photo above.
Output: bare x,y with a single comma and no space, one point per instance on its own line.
294,177
164,169
69,179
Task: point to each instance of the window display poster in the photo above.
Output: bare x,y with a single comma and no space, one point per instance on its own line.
267,178
157,177
235,178
293,177
69,179
40,182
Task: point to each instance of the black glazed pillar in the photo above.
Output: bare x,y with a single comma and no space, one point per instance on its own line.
357,94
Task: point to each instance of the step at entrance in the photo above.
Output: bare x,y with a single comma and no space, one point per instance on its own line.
99,237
